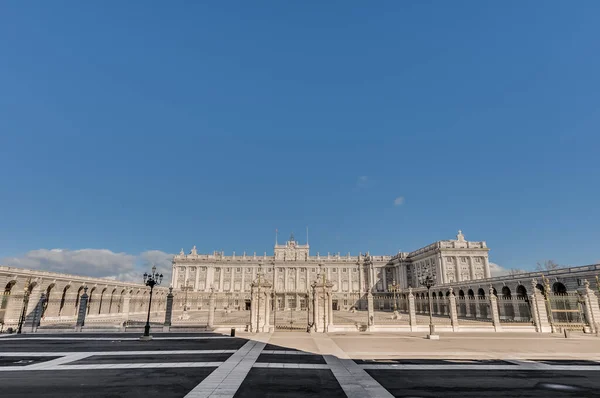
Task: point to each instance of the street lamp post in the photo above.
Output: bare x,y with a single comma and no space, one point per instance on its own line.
429,282
151,280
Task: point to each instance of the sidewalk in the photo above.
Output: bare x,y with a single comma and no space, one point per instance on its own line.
450,345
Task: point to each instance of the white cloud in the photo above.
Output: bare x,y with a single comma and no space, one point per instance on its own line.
497,270
99,263
399,201
361,182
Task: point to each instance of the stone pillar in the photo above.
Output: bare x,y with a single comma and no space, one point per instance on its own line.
168,310
538,310
83,303
330,310
211,309
315,309
261,293
412,313
591,307
486,267
361,285
125,309
370,310
494,310
452,310
322,306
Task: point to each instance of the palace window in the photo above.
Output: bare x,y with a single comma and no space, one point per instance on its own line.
335,270
355,270
345,270
228,270
202,268
313,270
238,270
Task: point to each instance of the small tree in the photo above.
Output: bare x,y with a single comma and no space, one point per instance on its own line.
548,265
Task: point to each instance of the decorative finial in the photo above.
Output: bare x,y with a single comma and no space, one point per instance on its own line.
292,238
194,252
181,253
460,237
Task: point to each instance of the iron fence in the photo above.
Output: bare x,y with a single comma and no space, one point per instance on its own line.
514,309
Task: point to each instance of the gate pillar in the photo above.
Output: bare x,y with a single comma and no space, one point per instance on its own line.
538,310
591,307
322,305
260,305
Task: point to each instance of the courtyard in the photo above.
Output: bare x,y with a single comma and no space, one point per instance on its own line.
295,364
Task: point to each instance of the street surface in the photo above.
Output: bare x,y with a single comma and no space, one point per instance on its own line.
299,365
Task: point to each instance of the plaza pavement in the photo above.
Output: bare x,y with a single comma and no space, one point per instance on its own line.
299,365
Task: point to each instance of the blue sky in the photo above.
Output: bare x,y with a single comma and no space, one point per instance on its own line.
132,127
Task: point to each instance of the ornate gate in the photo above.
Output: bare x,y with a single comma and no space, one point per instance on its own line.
566,311
293,319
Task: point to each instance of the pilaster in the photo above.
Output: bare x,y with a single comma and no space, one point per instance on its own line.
538,310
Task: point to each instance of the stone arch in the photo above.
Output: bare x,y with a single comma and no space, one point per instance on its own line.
63,299
541,288
5,298
461,293
48,292
90,299
80,292
559,288
447,293
506,292
101,300
470,293
521,291
110,303
481,292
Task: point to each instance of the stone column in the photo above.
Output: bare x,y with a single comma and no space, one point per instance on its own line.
125,309
261,293
221,278
412,313
321,303
330,311
591,307
538,310
168,311
361,285
315,309
486,267
458,269
494,310
471,267
452,310
370,310
83,303
211,309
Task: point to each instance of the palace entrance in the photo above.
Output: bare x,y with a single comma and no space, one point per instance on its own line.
291,313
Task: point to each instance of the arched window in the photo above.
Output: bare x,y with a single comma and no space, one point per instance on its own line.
559,288
506,292
481,292
521,291
470,293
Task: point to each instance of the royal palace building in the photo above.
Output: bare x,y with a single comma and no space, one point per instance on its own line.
292,269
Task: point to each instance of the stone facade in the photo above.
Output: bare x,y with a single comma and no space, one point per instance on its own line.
292,270
62,294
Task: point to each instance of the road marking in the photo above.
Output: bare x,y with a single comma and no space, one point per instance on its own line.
227,378
272,365
115,366
282,352
354,380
